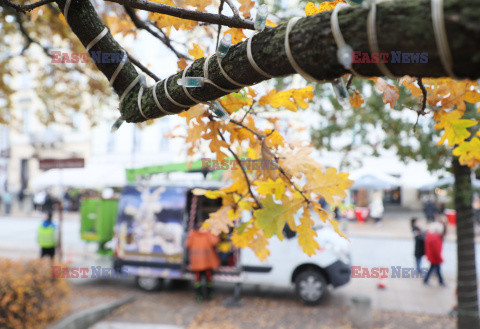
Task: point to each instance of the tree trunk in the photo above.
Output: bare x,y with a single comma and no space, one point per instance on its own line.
468,315
404,26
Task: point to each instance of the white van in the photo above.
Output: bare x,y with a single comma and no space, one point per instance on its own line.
153,223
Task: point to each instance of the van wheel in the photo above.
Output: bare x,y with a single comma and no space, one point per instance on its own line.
311,287
147,283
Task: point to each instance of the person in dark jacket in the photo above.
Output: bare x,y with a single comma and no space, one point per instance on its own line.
433,250
430,209
419,237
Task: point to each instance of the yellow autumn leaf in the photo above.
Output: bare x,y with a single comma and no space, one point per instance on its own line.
290,99
455,128
182,64
329,184
270,23
235,101
199,4
195,112
269,186
306,234
245,7
390,93
356,100
311,9
468,152
237,35
219,221
273,139
196,52
166,21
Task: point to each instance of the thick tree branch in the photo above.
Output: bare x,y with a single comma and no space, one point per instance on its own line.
187,14
405,26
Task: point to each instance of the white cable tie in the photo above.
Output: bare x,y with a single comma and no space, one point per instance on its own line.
66,9
127,90
337,33
187,93
441,37
288,51
160,107
252,61
119,68
207,80
97,39
225,75
170,98
373,41
140,94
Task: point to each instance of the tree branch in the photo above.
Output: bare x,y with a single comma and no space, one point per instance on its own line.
144,26
312,45
24,8
187,14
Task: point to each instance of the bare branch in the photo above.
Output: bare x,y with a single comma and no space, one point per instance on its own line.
186,14
233,8
142,67
144,26
27,36
239,162
24,8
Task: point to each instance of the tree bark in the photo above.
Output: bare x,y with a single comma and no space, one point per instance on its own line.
404,26
468,315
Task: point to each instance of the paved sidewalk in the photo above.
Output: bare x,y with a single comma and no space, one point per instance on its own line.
126,325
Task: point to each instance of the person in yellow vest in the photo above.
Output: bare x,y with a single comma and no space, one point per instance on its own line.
47,237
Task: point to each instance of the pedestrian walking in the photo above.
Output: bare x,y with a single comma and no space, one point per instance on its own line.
430,209
376,208
419,237
7,200
203,259
433,250
47,237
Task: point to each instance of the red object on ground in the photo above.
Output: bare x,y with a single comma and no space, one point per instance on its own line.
361,214
451,216
381,284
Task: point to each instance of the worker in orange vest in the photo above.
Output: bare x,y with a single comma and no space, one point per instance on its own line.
203,259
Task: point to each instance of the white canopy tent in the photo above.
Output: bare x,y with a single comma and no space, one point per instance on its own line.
93,176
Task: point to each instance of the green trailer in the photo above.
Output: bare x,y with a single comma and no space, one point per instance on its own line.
98,217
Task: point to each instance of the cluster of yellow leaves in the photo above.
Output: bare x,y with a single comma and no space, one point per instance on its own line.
120,25
272,196
290,99
311,9
237,35
448,98
166,21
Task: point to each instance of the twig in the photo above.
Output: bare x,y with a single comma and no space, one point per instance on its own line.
249,184
246,113
424,103
24,32
186,14
142,67
349,81
233,8
260,136
24,8
220,8
144,26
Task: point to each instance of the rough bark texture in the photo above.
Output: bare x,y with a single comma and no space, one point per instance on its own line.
468,316
402,26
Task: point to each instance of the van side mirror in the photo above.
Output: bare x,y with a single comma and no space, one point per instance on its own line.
288,233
